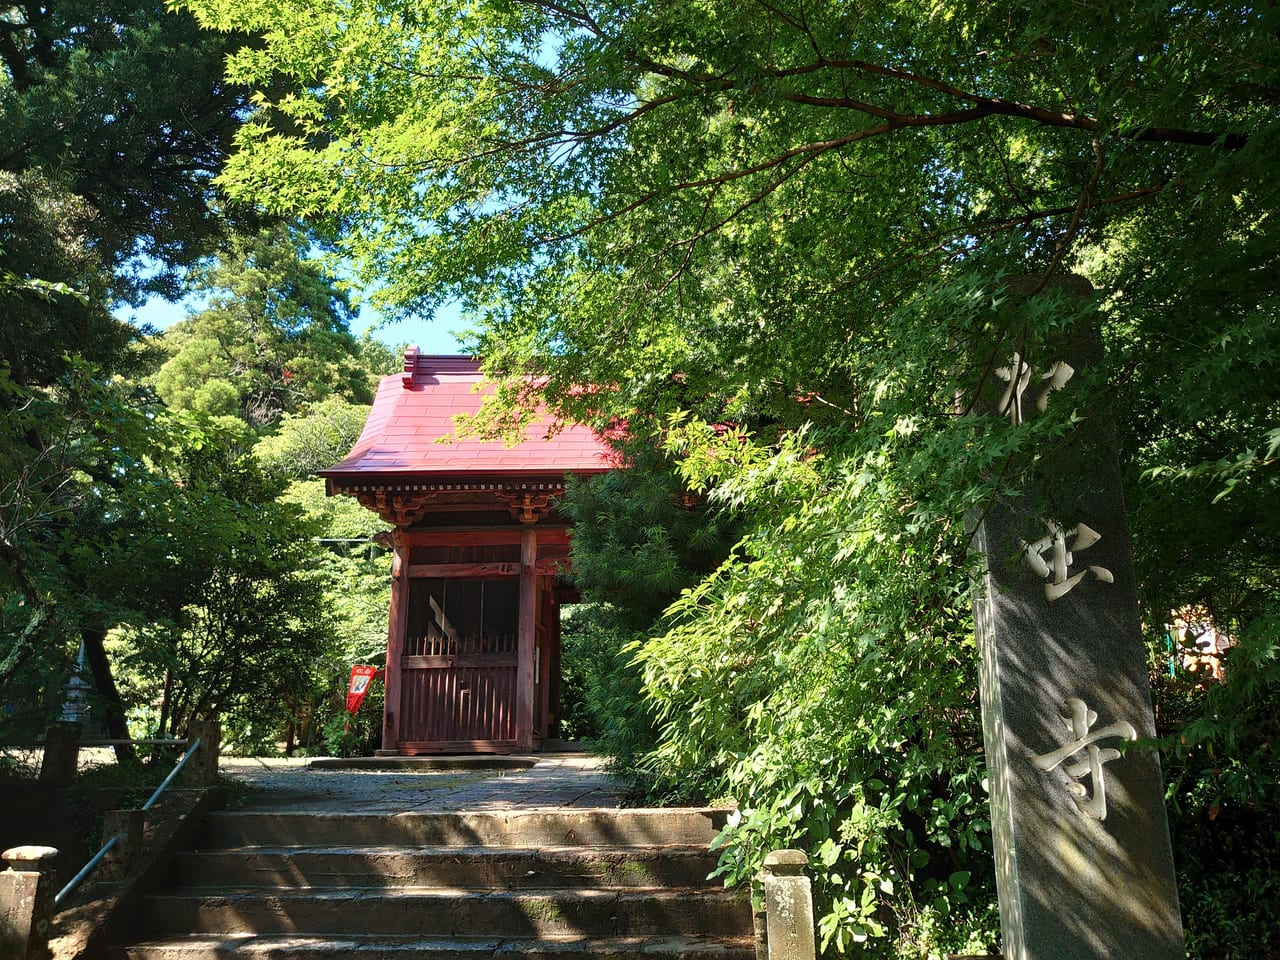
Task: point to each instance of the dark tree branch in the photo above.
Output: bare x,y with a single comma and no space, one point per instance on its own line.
1085,201
581,18
982,106
815,149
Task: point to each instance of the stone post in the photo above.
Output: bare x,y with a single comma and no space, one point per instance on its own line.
61,751
202,769
26,902
788,906
760,928
126,826
1084,866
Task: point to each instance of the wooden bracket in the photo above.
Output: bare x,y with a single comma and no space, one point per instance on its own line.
401,509
528,507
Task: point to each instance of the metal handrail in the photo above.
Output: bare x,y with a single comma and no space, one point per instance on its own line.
106,847
144,742
124,741
182,762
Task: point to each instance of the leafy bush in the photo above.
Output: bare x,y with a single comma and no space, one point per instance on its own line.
639,539
1222,768
817,678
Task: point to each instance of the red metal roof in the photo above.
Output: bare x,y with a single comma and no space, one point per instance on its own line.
414,410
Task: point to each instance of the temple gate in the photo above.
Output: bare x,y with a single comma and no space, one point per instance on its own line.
473,642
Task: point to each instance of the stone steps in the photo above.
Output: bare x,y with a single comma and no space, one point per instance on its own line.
442,866
525,828
550,884
439,913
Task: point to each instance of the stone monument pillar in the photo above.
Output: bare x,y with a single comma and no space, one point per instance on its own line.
1083,860
61,753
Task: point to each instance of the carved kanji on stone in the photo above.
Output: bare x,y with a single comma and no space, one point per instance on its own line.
1076,881
1019,374
1084,740
1057,568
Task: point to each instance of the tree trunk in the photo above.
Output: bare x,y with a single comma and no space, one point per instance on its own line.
113,706
163,721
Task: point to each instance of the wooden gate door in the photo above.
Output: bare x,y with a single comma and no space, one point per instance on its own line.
458,666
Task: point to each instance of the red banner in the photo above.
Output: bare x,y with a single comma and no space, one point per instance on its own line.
361,677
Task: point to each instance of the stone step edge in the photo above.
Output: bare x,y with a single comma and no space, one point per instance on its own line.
364,893
709,817
513,814
630,828
449,851
197,947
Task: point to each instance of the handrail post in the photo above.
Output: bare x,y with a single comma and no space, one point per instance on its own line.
61,751
26,902
788,906
202,770
126,827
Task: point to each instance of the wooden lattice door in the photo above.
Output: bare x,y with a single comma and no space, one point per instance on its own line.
459,665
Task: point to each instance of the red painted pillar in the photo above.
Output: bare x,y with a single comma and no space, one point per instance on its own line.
527,638
398,623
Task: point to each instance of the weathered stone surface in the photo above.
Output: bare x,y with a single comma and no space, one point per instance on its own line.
507,829
788,906
26,902
31,857
202,769
61,750
440,913
785,863
126,827
252,947
440,866
1072,885
98,913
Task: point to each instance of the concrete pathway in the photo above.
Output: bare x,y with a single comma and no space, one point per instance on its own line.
425,784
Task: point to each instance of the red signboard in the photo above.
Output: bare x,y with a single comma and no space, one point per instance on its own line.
361,677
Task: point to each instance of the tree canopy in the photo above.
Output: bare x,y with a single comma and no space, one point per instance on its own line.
122,108
114,119
626,190
148,531
272,335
